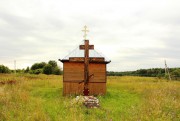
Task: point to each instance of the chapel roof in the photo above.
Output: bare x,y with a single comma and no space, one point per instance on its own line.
77,53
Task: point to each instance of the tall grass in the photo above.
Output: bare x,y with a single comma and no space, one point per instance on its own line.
39,98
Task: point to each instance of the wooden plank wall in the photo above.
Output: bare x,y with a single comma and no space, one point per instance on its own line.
73,72
73,78
97,88
97,83
73,88
99,72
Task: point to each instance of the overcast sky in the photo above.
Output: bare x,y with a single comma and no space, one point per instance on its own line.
133,34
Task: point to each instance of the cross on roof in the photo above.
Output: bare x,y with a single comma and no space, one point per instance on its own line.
85,32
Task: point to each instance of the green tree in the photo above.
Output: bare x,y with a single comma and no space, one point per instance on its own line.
57,71
176,73
48,69
38,66
53,63
38,71
4,69
27,70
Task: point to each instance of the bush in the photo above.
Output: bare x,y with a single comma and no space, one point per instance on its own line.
4,69
27,70
176,73
53,63
38,71
57,71
38,66
48,69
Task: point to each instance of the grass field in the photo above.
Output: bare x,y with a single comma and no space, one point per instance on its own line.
39,98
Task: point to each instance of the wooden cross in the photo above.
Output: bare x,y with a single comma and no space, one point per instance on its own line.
85,32
86,48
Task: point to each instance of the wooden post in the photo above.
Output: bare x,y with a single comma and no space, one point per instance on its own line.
86,61
86,48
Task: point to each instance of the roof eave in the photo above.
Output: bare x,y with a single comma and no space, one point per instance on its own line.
66,60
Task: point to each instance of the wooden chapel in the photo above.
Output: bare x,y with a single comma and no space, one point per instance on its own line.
84,75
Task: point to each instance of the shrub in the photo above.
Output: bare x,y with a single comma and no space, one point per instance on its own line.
48,69
38,66
57,71
4,69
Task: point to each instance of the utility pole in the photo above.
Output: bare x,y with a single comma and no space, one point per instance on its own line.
14,66
167,71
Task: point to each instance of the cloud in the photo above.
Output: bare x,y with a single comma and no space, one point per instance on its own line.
133,34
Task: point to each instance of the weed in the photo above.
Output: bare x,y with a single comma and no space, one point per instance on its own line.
39,98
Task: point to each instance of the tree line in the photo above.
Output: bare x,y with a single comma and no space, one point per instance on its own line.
153,72
52,68
37,68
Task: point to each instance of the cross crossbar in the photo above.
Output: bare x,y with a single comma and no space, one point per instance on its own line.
82,47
